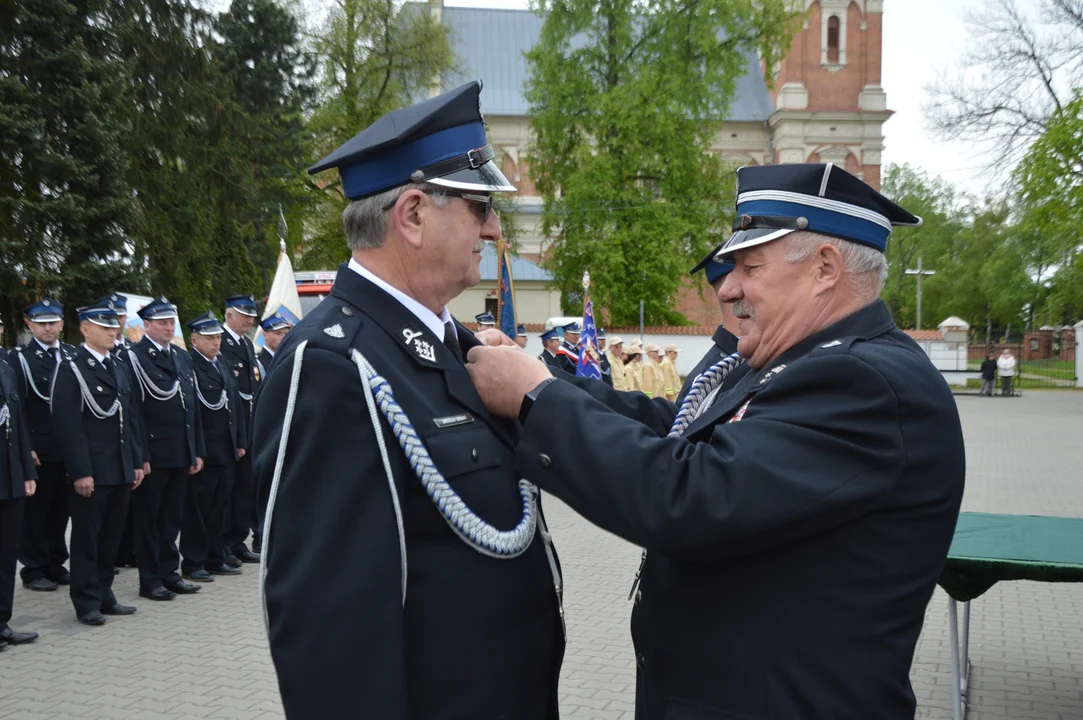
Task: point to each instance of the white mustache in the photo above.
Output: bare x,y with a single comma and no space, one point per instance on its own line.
743,309
479,246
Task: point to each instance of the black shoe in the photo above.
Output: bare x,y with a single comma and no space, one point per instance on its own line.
11,637
62,578
223,569
245,555
118,609
158,593
92,618
182,588
199,576
3,644
41,585
232,562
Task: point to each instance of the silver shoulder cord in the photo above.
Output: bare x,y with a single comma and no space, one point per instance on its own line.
30,377
5,417
147,386
475,532
223,401
88,399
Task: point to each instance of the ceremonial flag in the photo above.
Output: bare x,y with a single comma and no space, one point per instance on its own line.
588,365
505,291
283,298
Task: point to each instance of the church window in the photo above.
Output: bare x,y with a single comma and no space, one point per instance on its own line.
833,39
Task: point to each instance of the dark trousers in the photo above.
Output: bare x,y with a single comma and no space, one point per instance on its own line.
126,551
96,525
205,507
11,526
242,508
1006,385
157,509
44,551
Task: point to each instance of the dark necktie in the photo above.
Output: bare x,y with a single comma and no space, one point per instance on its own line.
451,340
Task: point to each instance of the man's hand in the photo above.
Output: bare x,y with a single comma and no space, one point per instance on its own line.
146,469
495,338
84,486
240,453
31,487
138,478
37,462
197,467
503,376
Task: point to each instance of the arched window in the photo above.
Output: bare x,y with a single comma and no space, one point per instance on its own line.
833,39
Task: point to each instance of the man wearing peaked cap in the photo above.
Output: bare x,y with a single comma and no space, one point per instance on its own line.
568,352
274,330
44,548
603,358
550,345
796,524
485,320
239,356
96,428
175,450
671,379
521,336
225,440
393,625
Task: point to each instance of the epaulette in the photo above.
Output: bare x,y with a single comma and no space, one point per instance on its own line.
338,330
838,346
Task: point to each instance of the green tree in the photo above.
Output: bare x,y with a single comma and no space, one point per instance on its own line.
625,100
64,204
374,56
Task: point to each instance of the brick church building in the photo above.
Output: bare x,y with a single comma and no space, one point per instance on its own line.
825,104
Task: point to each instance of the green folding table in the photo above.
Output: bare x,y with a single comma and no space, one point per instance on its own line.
988,549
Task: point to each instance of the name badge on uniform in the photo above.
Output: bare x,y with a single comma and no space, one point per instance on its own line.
453,420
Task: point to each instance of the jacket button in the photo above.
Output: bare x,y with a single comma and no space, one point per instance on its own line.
474,454
639,596
347,311
641,660
545,460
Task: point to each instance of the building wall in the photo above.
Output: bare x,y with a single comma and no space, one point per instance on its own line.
534,303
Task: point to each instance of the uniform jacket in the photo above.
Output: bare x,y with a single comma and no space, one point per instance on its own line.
16,462
101,448
34,389
607,370
265,357
567,357
224,430
651,379
240,357
616,367
633,375
174,430
549,359
795,533
478,637
671,381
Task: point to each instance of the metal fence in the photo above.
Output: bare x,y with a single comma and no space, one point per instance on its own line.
1051,372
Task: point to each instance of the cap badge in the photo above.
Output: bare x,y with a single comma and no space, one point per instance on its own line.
45,302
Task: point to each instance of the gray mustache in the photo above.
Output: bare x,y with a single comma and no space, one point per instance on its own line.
741,308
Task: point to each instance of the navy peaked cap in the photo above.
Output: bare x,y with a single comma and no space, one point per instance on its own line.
206,324
118,301
439,141
713,269
275,322
550,334
776,200
521,330
243,304
573,328
485,319
160,309
45,310
101,313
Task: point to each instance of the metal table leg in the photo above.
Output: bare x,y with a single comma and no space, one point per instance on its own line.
960,659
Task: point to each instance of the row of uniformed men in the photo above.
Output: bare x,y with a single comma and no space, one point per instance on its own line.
135,443
633,368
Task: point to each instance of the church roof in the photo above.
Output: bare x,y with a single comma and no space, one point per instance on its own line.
488,44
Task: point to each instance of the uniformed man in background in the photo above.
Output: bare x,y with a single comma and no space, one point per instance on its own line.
724,339
93,399
796,524
614,354
633,368
17,484
485,321
379,603
671,380
225,441
274,329
121,346
568,352
174,442
44,546
520,336
603,358
3,350
652,372
239,355
550,344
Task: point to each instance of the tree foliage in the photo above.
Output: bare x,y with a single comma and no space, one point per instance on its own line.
625,101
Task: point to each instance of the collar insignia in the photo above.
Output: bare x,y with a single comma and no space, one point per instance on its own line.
408,334
334,331
91,362
833,343
771,374
425,350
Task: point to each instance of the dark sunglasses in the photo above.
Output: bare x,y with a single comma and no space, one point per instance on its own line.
481,205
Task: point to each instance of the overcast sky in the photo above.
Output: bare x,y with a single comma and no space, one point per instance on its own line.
922,39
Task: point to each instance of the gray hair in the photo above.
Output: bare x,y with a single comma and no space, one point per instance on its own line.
867,265
365,220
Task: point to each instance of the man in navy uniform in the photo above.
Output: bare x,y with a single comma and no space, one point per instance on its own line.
797,524
174,443
450,605
17,484
520,335
274,330
3,350
603,358
550,344
239,357
93,412
225,439
44,548
121,346
568,352
485,321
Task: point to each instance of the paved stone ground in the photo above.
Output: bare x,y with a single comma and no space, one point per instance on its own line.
1027,638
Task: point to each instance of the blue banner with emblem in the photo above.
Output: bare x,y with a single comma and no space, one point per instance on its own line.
505,312
588,365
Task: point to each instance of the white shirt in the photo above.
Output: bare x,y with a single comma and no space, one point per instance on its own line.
236,337
97,355
435,323
53,350
161,348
